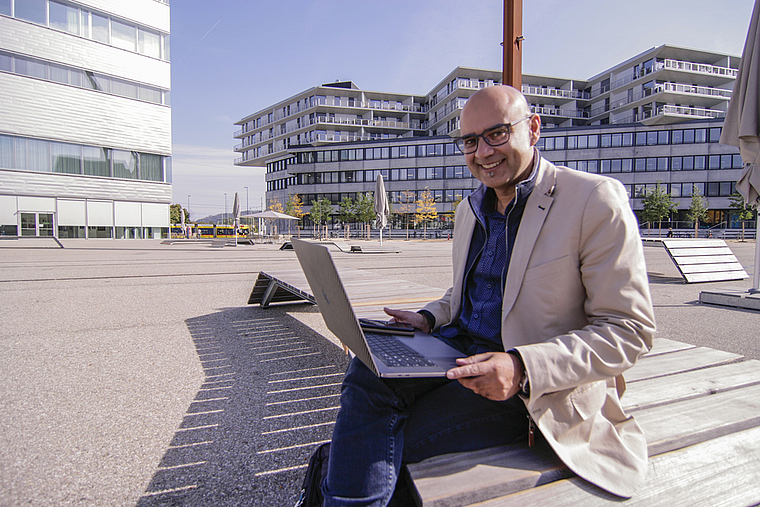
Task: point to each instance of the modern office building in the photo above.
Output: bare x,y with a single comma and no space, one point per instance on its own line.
85,120
655,118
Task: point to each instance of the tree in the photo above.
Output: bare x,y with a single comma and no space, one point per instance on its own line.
174,214
408,206
365,207
347,210
698,209
276,205
743,213
320,212
657,205
425,210
294,208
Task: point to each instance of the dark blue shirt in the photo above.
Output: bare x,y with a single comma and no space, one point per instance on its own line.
478,326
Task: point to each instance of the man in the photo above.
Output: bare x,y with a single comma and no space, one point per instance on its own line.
550,301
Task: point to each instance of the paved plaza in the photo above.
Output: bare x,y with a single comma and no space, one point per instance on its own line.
134,373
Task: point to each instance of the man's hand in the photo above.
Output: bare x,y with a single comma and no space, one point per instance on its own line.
415,319
493,375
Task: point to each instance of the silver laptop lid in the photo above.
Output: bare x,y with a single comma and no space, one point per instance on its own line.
333,302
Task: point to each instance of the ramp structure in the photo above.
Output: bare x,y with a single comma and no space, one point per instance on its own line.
704,260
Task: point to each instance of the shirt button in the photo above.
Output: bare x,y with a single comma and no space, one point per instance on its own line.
489,286
475,316
490,253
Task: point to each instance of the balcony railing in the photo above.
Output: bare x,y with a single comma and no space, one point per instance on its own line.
553,92
415,125
701,68
695,112
664,88
553,111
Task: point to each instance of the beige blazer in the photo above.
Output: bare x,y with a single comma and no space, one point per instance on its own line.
577,308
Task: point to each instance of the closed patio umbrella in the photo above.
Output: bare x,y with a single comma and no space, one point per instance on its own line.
236,214
382,209
742,124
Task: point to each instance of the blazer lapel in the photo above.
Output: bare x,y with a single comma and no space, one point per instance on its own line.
534,215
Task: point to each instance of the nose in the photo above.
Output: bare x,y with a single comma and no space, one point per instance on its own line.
483,150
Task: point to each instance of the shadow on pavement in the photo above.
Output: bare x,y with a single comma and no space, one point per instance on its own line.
269,397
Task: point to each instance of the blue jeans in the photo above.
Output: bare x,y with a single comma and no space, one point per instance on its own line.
384,423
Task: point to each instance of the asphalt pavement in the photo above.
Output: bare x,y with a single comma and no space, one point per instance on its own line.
134,373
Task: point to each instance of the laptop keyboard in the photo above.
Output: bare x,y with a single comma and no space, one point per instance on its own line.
394,353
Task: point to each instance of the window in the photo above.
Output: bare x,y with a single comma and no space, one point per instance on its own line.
607,140
549,143
5,7
641,138
37,155
31,67
677,136
675,163
67,158
64,17
100,31
124,164
123,35
715,134
700,135
663,136
714,162
32,10
96,161
6,152
150,167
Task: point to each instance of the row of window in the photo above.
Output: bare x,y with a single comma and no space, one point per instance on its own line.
90,24
49,156
419,150
709,189
638,191
652,164
402,197
621,139
40,69
604,166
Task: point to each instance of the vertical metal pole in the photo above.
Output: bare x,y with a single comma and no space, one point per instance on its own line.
512,68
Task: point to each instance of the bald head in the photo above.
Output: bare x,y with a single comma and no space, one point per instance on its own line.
510,100
500,165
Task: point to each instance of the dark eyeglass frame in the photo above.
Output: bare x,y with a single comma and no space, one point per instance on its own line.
459,141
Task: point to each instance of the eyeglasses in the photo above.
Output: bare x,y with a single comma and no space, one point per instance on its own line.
495,136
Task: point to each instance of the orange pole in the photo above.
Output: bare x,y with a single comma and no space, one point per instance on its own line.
512,69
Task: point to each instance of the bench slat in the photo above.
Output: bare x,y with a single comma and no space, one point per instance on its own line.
682,386
716,277
704,259
696,475
677,362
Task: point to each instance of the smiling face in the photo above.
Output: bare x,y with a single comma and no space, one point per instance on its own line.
500,167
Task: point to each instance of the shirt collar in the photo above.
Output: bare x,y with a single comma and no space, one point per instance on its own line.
483,198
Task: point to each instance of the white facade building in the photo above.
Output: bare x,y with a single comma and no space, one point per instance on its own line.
85,120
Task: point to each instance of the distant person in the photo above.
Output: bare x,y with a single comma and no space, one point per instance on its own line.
550,301
670,232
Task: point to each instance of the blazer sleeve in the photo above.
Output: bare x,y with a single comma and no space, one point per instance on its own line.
619,315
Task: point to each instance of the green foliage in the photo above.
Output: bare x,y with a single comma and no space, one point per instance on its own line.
174,214
698,209
365,207
321,211
347,210
743,212
657,205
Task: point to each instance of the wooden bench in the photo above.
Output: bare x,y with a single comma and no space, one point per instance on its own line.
704,260
698,408
368,291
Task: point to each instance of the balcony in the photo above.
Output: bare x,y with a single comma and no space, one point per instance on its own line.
553,92
671,114
415,125
677,65
565,113
695,92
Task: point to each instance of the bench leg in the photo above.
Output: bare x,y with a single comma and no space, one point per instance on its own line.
269,294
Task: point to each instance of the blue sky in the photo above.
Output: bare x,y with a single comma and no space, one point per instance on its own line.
231,58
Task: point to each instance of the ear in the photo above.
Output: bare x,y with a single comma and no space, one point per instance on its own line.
535,129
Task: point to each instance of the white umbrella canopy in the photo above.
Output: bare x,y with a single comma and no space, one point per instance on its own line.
269,214
382,210
742,124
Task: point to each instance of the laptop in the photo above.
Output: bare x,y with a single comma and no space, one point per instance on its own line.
387,355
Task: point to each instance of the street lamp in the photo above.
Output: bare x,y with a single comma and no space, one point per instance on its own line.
188,206
225,208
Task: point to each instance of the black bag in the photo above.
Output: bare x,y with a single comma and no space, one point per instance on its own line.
311,494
